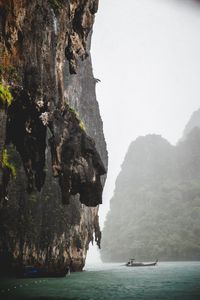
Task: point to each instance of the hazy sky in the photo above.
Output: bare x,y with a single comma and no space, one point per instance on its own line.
147,55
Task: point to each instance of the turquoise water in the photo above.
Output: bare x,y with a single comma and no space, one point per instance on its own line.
172,281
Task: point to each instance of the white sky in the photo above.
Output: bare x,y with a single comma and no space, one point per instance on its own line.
147,55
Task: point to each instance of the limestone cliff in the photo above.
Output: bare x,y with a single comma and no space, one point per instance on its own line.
155,209
193,122
52,172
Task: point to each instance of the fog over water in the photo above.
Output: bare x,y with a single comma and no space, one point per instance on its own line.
146,54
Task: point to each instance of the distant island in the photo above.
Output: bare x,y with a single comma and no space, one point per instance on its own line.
155,210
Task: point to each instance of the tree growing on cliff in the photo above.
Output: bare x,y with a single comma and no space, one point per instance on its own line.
155,210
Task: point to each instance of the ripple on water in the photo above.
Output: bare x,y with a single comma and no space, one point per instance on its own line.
167,281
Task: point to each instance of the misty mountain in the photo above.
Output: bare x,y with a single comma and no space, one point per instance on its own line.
193,122
155,210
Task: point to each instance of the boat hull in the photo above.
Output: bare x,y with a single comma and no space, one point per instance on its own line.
141,264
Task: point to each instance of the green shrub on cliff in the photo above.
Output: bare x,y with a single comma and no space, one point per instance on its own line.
73,111
7,164
5,96
81,125
56,4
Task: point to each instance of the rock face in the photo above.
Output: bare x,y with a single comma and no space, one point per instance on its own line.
52,147
155,210
193,122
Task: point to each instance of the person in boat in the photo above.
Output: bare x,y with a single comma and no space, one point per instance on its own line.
130,262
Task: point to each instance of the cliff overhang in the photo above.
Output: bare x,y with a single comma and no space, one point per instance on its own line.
52,146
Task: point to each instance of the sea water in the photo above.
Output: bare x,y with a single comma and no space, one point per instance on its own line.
167,280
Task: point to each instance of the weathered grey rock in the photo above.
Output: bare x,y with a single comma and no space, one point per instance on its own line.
54,135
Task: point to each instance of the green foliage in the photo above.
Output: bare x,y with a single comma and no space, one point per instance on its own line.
73,111
56,4
155,211
5,96
81,125
7,164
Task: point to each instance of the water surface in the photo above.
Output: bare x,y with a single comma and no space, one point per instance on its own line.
171,281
